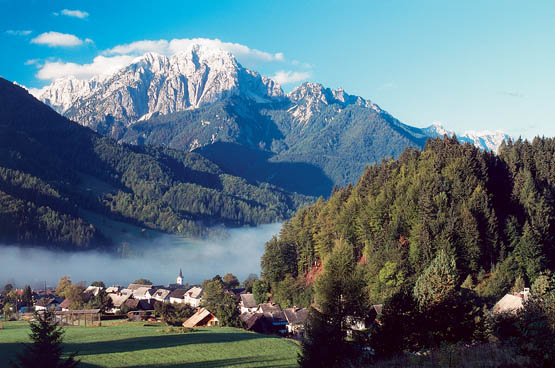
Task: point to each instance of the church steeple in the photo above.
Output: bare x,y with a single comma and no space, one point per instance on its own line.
180,278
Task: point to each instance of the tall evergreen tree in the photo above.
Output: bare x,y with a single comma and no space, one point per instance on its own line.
46,349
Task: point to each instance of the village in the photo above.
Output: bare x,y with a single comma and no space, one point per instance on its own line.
147,302
143,302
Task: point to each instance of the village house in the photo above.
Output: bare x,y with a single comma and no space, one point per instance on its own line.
247,303
93,290
46,303
511,303
113,289
296,319
193,296
256,322
201,318
274,315
161,295
177,296
141,293
64,306
117,301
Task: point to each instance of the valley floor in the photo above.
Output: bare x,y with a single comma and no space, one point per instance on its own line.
136,344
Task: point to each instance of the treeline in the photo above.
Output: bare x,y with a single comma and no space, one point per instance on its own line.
51,169
492,213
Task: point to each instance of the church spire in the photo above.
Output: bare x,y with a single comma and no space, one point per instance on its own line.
180,278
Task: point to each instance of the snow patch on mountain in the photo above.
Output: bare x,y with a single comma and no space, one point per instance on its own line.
487,140
158,84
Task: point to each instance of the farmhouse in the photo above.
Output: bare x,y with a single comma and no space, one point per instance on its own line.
274,315
161,295
296,318
511,303
201,318
193,296
141,293
248,304
177,296
117,301
256,322
46,303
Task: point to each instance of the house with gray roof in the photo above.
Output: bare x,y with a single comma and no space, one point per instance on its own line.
247,303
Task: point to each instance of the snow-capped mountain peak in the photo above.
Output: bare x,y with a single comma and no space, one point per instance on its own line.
487,140
154,83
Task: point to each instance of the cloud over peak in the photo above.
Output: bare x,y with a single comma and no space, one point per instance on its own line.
177,45
288,76
53,39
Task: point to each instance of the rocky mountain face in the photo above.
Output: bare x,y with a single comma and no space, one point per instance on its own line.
203,100
156,84
486,140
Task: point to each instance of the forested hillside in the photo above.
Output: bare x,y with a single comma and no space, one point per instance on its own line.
52,170
493,214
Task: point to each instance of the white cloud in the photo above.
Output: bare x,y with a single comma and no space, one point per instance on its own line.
74,13
31,62
53,39
241,52
111,60
101,66
289,76
25,32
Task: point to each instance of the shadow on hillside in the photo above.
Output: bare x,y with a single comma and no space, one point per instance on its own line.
256,165
156,342
216,363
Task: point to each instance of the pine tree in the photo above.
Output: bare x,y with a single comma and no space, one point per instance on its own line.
46,348
341,299
438,282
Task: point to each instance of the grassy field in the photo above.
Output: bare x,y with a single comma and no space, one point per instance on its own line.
129,344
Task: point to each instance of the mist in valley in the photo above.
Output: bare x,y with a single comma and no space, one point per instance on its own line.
158,260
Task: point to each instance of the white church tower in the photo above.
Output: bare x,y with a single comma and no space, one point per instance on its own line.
180,278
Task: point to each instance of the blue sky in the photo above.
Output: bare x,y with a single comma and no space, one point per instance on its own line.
468,65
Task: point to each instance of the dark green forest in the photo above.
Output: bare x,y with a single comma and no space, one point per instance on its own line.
52,169
435,238
494,214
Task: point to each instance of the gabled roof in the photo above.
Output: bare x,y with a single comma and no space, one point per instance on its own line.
45,302
198,317
268,308
118,300
296,316
126,292
247,300
250,318
141,291
113,289
65,303
194,292
136,286
508,304
93,290
178,294
161,293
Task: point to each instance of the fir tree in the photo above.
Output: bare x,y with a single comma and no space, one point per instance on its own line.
46,349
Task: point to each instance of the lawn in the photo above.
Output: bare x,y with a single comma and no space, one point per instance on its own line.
130,344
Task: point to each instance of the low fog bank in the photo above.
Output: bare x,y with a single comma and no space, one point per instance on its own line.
158,260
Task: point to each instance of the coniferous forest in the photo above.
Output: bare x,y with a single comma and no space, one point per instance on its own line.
437,237
53,172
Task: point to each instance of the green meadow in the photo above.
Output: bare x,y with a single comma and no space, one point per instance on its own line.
133,344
